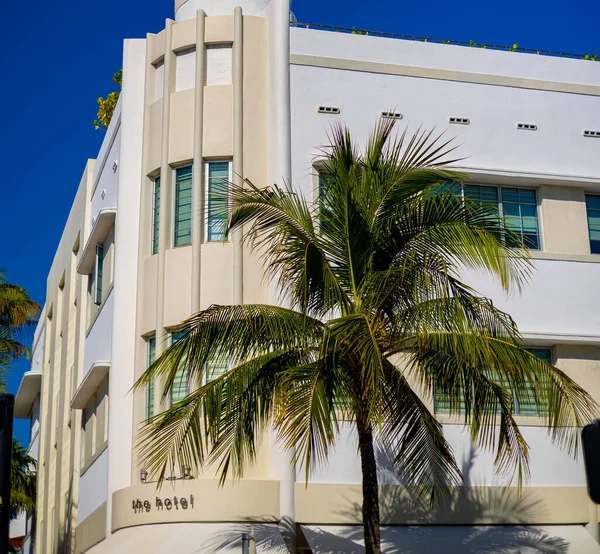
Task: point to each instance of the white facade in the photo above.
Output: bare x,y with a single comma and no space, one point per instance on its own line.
257,108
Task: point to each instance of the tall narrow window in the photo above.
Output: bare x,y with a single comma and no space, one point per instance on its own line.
98,275
183,207
592,204
528,406
217,175
519,209
150,355
180,388
325,178
155,214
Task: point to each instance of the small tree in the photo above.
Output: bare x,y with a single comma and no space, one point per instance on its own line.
107,105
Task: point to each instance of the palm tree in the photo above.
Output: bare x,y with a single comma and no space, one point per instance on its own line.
23,480
18,316
380,318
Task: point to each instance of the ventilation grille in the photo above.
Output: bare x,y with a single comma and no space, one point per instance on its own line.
591,134
527,126
459,120
328,110
391,115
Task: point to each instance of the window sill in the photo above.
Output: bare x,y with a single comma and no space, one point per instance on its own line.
93,459
557,256
521,420
99,310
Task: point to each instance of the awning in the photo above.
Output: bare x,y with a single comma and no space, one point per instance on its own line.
448,539
192,538
30,387
88,386
100,227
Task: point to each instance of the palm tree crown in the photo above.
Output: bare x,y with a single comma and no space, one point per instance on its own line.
380,317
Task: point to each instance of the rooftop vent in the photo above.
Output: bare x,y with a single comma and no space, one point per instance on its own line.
526,126
330,110
459,120
391,115
591,134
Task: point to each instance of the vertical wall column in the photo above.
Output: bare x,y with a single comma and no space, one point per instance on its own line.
144,250
198,170
127,240
166,188
280,172
238,148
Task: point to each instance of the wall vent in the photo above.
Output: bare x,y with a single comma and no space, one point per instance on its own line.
591,134
330,110
391,115
459,120
527,126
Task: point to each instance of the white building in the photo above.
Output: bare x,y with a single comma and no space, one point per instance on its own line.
229,88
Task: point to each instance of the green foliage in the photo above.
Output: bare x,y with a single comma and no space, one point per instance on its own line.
18,316
373,270
23,476
591,57
355,31
513,48
106,106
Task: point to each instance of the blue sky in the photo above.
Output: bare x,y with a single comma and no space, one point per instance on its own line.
60,56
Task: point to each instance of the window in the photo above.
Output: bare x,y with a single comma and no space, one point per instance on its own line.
182,231
529,407
95,424
180,388
98,275
150,355
217,176
216,367
155,214
516,206
592,204
441,401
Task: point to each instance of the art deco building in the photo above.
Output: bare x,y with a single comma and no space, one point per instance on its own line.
231,89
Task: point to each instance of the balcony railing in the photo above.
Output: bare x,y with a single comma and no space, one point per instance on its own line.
471,43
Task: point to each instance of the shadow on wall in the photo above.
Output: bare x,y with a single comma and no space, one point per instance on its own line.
436,540
484,512
267,539
493,522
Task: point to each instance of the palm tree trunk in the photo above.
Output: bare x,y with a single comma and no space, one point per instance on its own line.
370,487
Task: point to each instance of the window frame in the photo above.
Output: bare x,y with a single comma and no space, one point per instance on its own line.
207,194
98,271
150,358
516,408
587,218
155,227
501,206
186,374
174,205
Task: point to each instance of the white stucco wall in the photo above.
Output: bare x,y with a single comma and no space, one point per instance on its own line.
558,300
218,64
98,343
37,355
549,465
93,487
105,178
442,56
186,9
185,75
491,141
